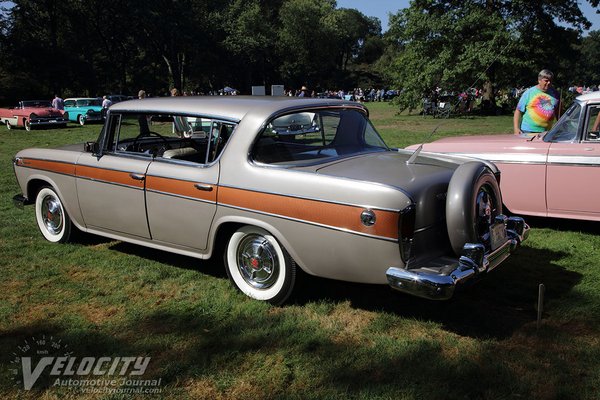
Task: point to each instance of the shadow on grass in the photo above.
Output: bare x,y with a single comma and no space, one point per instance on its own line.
565,225
280,360
212,267
494,307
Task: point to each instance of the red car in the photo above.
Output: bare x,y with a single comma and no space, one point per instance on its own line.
554,174
32,113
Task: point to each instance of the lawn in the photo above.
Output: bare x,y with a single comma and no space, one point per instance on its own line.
334,340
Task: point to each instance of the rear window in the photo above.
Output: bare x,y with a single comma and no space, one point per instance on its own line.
316,136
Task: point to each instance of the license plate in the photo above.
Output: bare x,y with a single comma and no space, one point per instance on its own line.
53,120
497,235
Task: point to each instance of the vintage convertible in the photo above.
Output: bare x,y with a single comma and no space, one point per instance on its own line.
84,109
550,175
276,184
32,113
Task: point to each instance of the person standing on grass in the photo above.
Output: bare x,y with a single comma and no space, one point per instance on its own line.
58,103
537,108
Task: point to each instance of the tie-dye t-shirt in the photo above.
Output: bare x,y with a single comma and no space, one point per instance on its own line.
539,109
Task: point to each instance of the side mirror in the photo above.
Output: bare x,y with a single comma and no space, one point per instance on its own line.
91,147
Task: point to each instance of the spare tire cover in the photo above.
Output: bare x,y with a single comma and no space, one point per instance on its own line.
472,203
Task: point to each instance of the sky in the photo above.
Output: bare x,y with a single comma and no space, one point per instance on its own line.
381,8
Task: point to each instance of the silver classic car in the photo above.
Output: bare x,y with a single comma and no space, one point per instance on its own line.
278,184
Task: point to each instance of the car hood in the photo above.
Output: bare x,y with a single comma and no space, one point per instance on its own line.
390,168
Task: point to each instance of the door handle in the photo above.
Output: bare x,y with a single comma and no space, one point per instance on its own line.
137,177
204,188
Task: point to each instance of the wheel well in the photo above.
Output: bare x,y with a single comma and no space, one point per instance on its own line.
34,186
224,232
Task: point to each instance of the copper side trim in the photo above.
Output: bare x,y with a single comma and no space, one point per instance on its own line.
334,215
52,166
108,175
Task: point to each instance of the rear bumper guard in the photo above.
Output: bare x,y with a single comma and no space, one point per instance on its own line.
472,264
20,201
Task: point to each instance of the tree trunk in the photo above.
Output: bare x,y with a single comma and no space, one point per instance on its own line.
488,99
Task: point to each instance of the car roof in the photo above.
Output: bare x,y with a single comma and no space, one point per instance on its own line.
230,107
82,98
592,96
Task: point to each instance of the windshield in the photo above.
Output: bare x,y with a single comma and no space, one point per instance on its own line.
567,126
316,136
36,103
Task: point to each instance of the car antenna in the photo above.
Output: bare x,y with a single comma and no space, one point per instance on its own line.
414,155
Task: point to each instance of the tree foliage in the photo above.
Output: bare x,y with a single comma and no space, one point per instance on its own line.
459,44
96,47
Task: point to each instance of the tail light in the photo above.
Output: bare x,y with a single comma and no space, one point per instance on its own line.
406,231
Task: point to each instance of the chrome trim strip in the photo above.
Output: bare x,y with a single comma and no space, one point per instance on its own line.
106,182
536,159
531,158
589,161
180,196
48,160
310,223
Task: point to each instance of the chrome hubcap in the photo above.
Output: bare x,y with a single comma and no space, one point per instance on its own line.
52,215
485,211
257,261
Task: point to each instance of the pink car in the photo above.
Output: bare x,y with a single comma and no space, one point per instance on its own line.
32,113
554,174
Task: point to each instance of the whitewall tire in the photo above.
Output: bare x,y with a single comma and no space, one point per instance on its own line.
259,266
52,219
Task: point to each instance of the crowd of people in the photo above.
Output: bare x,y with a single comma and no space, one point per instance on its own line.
356,94
535,111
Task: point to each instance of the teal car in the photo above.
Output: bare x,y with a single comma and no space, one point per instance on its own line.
84,110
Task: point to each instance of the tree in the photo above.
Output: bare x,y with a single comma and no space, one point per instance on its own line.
249,43
588,62
459,44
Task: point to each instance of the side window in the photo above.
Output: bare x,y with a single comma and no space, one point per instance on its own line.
220,132
592,132
166,137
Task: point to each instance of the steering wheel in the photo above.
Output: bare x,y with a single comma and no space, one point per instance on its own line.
153,150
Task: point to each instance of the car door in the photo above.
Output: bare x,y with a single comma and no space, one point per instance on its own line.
574,169
182,182
111,187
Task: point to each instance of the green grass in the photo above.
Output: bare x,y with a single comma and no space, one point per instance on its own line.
334,340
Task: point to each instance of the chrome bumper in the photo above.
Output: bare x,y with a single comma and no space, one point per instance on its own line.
93,117
472,264
48,121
